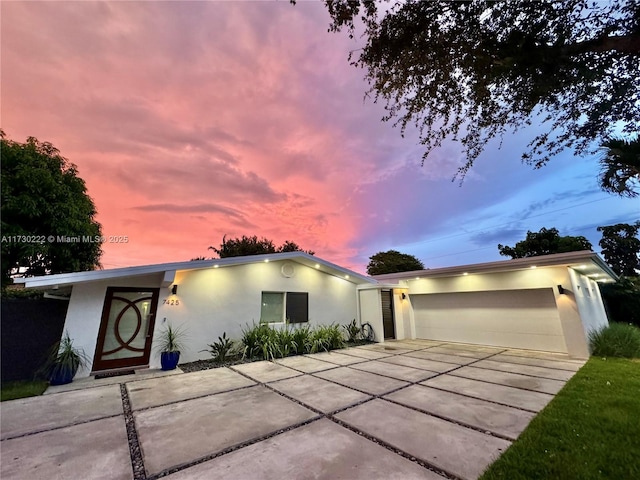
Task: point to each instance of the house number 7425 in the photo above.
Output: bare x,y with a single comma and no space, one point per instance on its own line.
171,301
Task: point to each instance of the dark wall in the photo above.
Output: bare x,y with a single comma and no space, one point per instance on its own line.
29,328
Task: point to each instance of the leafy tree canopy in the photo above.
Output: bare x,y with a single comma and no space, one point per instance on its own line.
545,242
477,70
620,166
43,197
392,261
238,247
621,247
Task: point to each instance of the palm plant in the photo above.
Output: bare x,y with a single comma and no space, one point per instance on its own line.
64,361
620,166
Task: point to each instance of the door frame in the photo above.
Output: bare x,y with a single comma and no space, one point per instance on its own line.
102,365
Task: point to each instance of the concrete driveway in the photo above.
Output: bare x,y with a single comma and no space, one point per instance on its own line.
411,409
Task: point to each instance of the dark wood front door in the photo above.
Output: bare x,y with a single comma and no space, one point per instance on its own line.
388,324
126,329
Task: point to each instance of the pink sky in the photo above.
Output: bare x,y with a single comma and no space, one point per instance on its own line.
190,121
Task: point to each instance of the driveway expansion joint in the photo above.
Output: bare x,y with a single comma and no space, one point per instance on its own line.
60,427
137,460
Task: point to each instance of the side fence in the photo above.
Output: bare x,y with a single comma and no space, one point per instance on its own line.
28,329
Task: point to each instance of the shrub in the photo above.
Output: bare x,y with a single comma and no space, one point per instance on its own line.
268,343
224,349
353,331
302,339
616,340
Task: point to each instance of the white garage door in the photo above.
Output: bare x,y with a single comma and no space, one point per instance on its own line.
507,318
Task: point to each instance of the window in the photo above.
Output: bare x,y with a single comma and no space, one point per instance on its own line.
280,306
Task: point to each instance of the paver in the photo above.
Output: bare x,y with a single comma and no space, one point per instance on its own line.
336,358
500,419
455,449
441,357
461,352
517,380
318,393
321,450
515,397
160,391
186,431
542,372
400,372
91,382
387,347
423,363
411,344
95,450
364,381
305,364
538,362
365,353
266,371
36,414
545,355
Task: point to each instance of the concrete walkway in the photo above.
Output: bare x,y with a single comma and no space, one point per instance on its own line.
411,409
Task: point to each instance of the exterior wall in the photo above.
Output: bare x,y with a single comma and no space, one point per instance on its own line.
402,314
543,277
85,311
371,311
227,299
589,301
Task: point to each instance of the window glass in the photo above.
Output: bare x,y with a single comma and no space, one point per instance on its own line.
272,307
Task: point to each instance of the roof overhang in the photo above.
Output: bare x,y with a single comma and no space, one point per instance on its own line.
585,262
168,270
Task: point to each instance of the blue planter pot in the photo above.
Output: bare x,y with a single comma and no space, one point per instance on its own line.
61,377
169,360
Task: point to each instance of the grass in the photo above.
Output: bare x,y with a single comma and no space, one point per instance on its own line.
616,340
588,431
22,389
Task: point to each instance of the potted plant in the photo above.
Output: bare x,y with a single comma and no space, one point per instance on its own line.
64,361
170,344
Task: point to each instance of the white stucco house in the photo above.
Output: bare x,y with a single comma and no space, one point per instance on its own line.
545,303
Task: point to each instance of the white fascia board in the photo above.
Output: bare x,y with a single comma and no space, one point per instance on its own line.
569,259
170,269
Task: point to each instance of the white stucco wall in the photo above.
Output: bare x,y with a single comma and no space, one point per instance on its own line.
589,301
227,299
371,310
85,311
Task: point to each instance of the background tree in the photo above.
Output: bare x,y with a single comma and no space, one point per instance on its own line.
620,166
545,242
43,196
238,247
392,261
477,70
621,247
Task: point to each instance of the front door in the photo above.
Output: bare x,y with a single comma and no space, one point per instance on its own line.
388,324
126,329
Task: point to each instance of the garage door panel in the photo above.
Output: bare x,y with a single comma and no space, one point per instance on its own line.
531,321
510,318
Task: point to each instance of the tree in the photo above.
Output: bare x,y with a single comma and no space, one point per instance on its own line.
48,219
621,247
475,71
620,166
545,242
238,247
392,261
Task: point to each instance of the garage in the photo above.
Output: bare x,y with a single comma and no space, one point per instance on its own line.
524,318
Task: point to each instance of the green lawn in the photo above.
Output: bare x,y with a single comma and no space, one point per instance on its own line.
13,390
590,430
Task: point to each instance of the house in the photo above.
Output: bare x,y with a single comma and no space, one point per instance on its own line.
544,303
